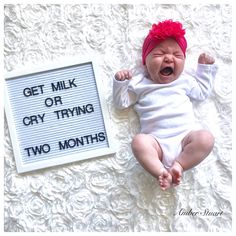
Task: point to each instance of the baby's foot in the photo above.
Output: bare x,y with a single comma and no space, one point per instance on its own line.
176,171
165,180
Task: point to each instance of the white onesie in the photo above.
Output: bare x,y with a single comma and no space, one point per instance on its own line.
165,110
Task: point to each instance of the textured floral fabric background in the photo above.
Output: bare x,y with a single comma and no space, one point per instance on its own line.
114,193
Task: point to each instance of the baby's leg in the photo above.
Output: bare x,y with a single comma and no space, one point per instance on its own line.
149,154
196,147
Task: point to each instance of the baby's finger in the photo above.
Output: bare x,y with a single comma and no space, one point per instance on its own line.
210,60
118,76
128,74
123,75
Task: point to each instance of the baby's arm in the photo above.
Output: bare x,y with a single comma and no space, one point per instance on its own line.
204,78
122,96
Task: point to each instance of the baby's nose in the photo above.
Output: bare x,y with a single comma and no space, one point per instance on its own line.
168,58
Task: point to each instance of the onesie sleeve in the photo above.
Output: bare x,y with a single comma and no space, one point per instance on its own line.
203,81
123,96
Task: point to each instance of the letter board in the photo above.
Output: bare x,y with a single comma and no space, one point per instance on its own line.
57,115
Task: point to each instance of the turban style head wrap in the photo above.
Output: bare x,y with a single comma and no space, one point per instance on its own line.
161,31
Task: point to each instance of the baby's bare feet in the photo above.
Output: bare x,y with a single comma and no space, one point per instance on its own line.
165,180
176,171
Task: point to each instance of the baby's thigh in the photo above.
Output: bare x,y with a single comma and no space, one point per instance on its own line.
200,138
143,142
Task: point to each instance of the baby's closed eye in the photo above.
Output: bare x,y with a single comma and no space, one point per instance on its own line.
159,54
179,55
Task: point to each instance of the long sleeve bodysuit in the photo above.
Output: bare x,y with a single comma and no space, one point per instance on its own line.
165,110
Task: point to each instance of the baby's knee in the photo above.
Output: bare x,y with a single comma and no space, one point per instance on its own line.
206,140
138,142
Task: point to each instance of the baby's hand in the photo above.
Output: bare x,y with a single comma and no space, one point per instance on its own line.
123,75
205,59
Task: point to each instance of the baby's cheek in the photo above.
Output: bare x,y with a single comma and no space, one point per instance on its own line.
153,68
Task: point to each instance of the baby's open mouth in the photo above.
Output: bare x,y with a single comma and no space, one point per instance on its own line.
167,71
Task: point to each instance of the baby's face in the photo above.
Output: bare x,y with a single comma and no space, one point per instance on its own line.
165,62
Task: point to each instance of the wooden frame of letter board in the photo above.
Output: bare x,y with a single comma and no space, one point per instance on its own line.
21,168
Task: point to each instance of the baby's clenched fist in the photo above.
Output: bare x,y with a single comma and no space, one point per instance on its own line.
123,75
205,59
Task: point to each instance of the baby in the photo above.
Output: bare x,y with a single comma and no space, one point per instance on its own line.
170,142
